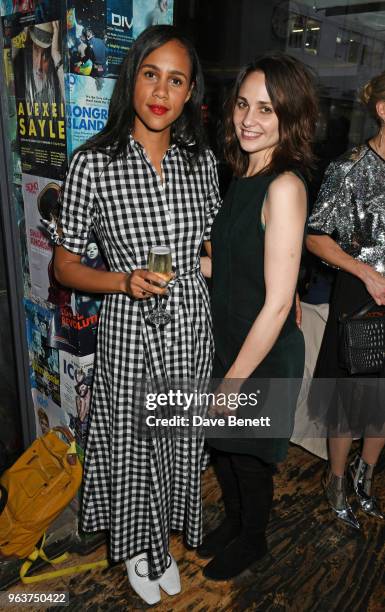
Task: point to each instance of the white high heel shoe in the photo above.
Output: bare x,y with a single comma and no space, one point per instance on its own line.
138,576
170,580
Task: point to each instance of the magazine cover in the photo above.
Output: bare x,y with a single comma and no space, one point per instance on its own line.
151,12
86,37
41,197
76,375
87,107
39,94
44,360
119,33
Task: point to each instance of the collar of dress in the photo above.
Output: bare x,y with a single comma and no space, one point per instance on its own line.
134,145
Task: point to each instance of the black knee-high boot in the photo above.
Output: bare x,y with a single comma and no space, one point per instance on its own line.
255,480
230,527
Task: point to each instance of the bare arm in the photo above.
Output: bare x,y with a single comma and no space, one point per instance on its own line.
285,216
71,273
327,249
206,263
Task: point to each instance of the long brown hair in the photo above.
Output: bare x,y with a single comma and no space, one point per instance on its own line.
293,97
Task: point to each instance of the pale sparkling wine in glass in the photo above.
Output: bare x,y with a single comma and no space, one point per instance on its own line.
160,262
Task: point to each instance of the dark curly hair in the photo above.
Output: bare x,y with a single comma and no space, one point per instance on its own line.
187,131
293,97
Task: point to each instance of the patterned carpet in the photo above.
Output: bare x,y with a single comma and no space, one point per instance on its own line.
315,564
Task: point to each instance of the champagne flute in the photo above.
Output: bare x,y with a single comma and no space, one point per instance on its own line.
160,262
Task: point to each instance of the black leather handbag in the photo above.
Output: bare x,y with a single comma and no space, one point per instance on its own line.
362,339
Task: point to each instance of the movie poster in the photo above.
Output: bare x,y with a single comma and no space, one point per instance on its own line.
87,108
47,413
44,360
151,12
119,33
76,375
86,37
41,201
39,94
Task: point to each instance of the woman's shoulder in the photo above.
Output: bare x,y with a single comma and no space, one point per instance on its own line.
206,157
290,179
92,160
91,154
343,164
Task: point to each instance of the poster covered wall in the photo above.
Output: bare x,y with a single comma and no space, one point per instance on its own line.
120,33
61,62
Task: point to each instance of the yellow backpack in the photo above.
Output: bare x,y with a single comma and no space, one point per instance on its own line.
34,491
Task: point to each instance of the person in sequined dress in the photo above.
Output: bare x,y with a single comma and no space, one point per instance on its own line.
347,231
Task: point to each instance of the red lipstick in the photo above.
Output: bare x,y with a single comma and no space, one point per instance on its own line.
157,109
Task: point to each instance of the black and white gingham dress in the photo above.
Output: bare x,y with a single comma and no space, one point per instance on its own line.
139,489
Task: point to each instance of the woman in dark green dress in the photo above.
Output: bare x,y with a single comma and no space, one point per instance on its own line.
256,249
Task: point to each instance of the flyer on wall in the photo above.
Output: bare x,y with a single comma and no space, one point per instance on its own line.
151,12
87,107
76,375
39,93
44,360
119,33
41,201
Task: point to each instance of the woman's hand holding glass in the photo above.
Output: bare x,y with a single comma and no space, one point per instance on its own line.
142,284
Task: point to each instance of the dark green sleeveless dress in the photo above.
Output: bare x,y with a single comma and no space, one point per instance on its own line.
238,294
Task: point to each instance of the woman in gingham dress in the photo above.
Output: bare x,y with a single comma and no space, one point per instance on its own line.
145,180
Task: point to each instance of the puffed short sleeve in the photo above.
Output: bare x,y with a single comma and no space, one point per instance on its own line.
213,198
76,212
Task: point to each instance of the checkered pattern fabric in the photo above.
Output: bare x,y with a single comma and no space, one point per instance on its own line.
140,488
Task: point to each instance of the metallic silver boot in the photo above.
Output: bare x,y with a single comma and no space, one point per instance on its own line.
335,491
361,474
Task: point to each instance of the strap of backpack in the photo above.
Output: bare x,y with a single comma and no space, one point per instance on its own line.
67,571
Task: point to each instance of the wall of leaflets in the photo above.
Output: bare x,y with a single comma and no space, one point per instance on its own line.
61,60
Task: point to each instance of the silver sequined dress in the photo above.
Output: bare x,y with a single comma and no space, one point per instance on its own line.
351,206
